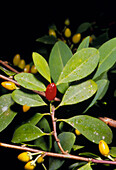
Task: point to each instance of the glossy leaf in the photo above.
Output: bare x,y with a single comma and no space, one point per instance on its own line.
102,87
92,128
59,56
45,142
6,118
8,72
42,66
79,93
107,57
5,102
113,151
23,98
86,167
29,81
83,27
46,39
67,140
81,64
27,132
36,118
84,43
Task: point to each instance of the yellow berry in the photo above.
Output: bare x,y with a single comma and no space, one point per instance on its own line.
9,85
67,22
103,148
16,59
67,32
90,39
25,108
76,38
27,68
52,32
25,156
21,64
33,69
30,165
40,160
77,132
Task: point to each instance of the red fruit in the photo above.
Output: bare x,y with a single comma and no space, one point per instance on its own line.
51,91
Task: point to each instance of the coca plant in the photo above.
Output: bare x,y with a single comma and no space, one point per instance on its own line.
60,84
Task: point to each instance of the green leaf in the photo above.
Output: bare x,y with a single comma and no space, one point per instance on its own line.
102,87
81,64
35,119
27,132
79,93
6,118
5,102
42,66
84,43
83,27
45,142
67,140
8,72
107,57
23,98
46,39
113,151
29,81
86,167
77,147
92,128
89,154
59,56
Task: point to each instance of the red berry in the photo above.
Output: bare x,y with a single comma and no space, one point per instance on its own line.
51,91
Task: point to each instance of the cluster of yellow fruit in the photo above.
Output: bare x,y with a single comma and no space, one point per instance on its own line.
75,39
17,61
27,157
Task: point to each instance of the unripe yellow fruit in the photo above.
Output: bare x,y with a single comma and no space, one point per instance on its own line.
103,148
16,59
76,38
77,132
52,32
67,32
67,22
30,165
27,68
25,156
33,69
21,64
8,85
25,108
40,160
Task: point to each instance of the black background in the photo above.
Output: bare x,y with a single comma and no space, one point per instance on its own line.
21,24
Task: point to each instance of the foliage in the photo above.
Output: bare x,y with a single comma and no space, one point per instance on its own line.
79,78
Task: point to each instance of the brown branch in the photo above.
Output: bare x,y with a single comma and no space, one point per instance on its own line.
54,129
9,67
108,121
35,91
9,79
57,155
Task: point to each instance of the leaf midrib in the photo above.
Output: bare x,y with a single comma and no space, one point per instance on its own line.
77,68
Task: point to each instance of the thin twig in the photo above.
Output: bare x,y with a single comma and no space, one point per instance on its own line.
108,121
9,67
51,154
35,91
54,129
9,79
